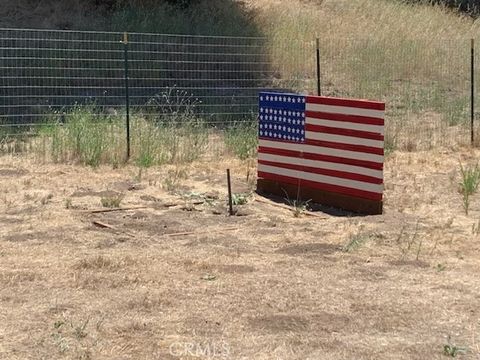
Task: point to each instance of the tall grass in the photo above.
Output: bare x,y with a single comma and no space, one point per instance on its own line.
84,136
414,57
204,17
470,179
241,139
90,138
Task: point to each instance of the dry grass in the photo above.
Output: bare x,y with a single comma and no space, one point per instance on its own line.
277,287
413,57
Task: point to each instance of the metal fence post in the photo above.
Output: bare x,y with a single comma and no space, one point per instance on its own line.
319,89
472,91
127,95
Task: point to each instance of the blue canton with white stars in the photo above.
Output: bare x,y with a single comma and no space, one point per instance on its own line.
282,117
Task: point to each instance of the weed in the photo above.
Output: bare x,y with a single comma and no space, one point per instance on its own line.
68,203
240,199
79,330
173,178
58,324
251,174
406,245
242,139
452,350
298,206
440,267
355,241
390,143
469,183
419,249
46,199
84,135
476,228
112,201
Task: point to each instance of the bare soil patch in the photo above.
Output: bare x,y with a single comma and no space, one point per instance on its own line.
13,172
266,285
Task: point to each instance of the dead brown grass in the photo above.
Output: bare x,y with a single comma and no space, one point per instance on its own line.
278,287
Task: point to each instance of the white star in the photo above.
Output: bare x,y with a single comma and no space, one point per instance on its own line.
284,128
289,100
275,127
261,109
270,134
289,137
261,133
275,135
289,121
276,98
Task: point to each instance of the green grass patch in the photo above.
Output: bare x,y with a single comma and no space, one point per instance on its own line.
241,139
470,178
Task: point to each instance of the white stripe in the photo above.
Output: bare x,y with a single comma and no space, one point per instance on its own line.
320,150
345,110
343,139
321,165
352,184
346,125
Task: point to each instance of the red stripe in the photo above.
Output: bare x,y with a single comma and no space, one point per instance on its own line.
321,186
328,158
327,172
349,147
344,117
344,132
355,103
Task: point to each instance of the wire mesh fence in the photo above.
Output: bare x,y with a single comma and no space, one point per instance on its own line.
50,79
426,86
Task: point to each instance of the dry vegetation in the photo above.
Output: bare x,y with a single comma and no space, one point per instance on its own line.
175,278
263,284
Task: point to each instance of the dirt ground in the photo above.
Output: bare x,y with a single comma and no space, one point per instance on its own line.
176,278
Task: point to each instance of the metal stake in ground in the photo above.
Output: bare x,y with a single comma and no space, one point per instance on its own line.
127,95
472,91
230,200
319,87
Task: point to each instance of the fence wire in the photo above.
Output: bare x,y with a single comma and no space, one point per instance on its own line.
46,76
426,86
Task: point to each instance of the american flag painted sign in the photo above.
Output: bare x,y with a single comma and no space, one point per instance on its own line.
328,148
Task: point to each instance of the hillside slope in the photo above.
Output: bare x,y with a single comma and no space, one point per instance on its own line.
353,17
